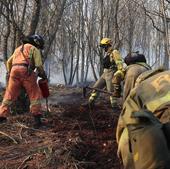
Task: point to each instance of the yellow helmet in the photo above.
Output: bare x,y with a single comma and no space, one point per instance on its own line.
105,42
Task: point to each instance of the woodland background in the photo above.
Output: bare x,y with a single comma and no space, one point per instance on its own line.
72,30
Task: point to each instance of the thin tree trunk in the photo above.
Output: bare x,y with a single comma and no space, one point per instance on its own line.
35,17
87,68
92,66
53,31
78,46
82,42
64,72
72,58
116,27
166,39
6,36
101,35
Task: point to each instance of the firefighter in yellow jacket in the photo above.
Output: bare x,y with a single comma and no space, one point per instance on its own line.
113,72
20,66
142,142
136,64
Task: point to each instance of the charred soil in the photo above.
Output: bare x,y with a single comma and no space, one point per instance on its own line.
77,137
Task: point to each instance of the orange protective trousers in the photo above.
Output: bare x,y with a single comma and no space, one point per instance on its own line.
19,77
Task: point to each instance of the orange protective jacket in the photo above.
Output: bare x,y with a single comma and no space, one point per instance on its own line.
17,65
25,55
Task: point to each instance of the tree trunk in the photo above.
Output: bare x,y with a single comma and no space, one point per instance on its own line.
54,30
116,27
6,36
35,17
101,35
165,35
71,59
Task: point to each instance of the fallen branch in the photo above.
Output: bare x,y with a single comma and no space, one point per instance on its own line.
26,127
20,133
86,162
9,137
75,165
25,160
92,121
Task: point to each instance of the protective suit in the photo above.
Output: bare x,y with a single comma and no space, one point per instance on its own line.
151,92
136,64
21,67
112,74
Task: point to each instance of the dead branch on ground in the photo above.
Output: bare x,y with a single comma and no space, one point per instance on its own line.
9,137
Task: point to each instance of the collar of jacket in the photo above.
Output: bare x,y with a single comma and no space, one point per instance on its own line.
109,51
140,64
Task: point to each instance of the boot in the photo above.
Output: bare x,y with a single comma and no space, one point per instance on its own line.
39,121
113,101
91,103
3,120
92,99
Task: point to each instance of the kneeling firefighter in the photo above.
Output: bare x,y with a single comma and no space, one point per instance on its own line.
136,64
112,75
143,142
20,67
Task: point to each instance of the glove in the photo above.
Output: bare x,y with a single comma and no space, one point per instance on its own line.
41,73
43,76
119,73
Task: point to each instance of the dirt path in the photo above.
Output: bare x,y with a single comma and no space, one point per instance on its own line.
78,138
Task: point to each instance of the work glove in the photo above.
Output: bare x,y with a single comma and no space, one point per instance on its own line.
44,76
119,73
41,73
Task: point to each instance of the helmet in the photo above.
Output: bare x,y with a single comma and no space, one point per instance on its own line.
36,40
134,57
105,42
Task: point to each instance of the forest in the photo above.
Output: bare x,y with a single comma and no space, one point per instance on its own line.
76,136
72,30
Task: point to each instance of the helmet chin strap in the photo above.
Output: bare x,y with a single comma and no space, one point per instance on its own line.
106,48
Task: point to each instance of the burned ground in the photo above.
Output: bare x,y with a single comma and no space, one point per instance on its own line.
77,137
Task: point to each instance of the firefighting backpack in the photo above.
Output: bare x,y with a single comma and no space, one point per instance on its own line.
148,142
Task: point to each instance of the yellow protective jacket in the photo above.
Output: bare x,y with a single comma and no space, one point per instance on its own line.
131,74
151,91
115,57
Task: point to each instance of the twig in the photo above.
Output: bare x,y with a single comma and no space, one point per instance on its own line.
86,162
92,121
26,127
153,23
20,133
25,160
9,137
75,165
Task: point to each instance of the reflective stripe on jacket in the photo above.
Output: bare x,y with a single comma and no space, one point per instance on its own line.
23,55
115,58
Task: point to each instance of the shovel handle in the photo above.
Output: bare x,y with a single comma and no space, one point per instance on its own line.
97,89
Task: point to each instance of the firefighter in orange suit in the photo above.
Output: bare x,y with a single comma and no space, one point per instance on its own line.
20,67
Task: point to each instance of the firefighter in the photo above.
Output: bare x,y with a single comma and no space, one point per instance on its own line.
112,74
136,64
21,68
143,140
